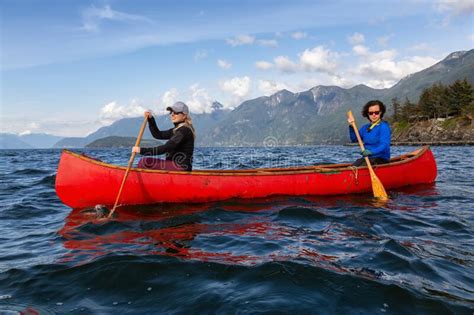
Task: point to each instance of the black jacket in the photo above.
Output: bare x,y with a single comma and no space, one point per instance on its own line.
179,148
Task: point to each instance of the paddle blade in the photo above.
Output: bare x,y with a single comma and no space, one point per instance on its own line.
102,211
98,212
377,187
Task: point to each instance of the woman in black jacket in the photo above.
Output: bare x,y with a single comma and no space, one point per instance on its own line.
180,145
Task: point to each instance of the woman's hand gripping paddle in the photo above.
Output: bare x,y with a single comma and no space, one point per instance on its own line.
377,186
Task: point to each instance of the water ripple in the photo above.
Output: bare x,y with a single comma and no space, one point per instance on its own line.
343,254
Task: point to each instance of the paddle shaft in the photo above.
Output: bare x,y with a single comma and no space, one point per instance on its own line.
377,187
359,139
130,163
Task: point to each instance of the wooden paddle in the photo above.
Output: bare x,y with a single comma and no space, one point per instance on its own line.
130,163
377,187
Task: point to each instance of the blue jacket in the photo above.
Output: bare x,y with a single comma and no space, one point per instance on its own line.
376,140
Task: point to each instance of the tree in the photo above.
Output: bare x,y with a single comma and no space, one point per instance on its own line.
408,111
460,94
440,99
396,109
426,104
434,102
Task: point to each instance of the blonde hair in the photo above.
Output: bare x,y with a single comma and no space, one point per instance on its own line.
189,122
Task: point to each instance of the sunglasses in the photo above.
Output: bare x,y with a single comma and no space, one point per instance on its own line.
374,113
176,113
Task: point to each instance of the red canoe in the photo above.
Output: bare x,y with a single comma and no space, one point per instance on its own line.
83,182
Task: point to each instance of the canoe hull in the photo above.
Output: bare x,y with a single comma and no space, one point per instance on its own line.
84,182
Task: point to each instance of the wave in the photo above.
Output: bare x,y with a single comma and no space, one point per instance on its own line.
48,181
29,209
301,214
30,171
162,284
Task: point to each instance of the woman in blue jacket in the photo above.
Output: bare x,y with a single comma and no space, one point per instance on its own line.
375,135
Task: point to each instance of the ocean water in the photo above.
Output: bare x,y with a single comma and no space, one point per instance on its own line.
311,255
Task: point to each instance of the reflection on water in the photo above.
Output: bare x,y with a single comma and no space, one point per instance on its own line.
311,230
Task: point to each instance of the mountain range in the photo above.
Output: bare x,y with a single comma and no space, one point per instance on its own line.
318,116
28,141
315,116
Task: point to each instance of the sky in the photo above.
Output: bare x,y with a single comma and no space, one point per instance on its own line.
70,67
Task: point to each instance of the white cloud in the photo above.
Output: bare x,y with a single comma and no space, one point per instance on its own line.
381,70
356,38
284,64
224,64
200,54
384,54
383,40
267,42
199,100
92,17
379,84
299,35
419,47
471,37
415,64
249,40
26,132
169,98
113,111
196,97
31,127
340,80
263,65
237,87
455,7
360,50
270,87
323,79
365,53
241,40
318,59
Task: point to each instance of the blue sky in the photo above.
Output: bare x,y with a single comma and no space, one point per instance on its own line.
70,67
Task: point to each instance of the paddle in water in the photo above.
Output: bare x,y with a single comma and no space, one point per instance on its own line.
377,186
130,163
98,212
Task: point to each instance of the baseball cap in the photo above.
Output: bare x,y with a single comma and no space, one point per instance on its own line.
178,107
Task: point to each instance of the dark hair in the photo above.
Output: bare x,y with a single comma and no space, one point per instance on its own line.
365,110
